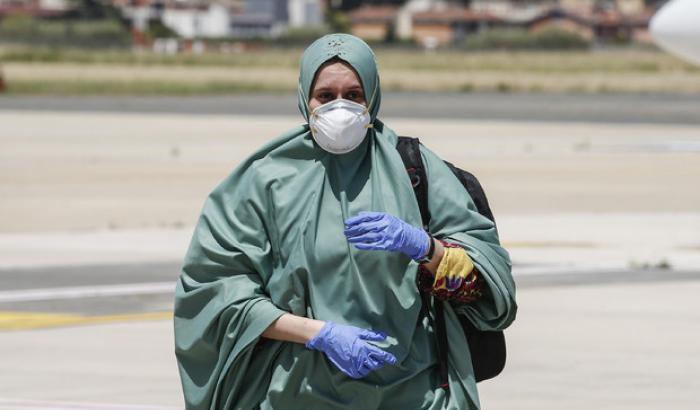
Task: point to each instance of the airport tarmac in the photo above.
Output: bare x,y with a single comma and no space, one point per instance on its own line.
600,216
614,346
592,108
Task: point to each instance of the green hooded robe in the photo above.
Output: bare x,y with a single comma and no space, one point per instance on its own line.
270,240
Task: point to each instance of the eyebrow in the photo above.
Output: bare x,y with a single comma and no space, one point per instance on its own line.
353,88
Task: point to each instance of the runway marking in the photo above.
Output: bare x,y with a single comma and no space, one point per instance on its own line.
77,292
20,404
39,320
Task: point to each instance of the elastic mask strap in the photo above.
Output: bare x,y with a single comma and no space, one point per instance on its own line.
306,100
374,94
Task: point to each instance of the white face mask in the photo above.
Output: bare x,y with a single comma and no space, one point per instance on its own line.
339,126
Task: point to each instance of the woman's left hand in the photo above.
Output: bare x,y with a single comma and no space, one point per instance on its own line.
381,231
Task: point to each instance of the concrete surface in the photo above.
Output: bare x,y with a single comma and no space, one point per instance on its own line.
537,243
97,208
77,172
618,347
120,363
627,346
111,188
606,108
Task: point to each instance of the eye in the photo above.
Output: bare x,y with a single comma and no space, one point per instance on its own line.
324,95
354,96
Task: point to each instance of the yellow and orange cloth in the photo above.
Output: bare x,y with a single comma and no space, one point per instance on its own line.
456,279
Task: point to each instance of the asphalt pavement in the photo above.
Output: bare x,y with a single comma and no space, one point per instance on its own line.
595,108
606,346
137,288
99,336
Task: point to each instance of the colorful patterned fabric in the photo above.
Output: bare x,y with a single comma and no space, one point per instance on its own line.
456,278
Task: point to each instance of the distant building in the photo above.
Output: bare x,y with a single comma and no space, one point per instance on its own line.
438,23
191,19
212,21
259,19
305,13
270,18
597,23
563,20
613,25
626,6
631,6
55,4
35,8
512,7
441,27
428,22
578,4
404,19
374,22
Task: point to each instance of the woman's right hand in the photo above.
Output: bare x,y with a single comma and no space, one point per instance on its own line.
348,349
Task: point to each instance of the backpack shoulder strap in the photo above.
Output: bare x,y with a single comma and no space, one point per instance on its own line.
476,191
409,149
487,349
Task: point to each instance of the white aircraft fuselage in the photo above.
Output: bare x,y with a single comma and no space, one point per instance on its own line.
676,29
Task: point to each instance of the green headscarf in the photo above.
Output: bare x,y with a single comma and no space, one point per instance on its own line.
349,49
270,240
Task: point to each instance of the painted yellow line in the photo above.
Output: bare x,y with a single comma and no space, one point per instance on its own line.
39,320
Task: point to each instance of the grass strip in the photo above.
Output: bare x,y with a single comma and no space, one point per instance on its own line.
70,87
149,88
608,60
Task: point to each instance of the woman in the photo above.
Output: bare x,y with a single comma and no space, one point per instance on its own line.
299,287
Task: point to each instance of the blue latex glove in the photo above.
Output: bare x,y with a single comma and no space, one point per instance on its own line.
381,231
347,348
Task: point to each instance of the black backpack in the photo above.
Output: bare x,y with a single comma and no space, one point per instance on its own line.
488,348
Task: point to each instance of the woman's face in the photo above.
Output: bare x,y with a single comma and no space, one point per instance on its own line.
335,80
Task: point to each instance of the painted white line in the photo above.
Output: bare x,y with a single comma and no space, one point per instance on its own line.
77,292
19,404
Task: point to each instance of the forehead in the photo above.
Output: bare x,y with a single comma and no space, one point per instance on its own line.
336,73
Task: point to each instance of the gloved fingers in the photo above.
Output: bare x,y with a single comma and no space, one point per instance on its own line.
369,237
364,216
373,363
373,214
388,358
388,244
348,365
357,373
362,358
365,366
367,334
382,357
363,227
369,361
370,246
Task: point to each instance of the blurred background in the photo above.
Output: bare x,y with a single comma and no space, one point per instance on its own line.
118,117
